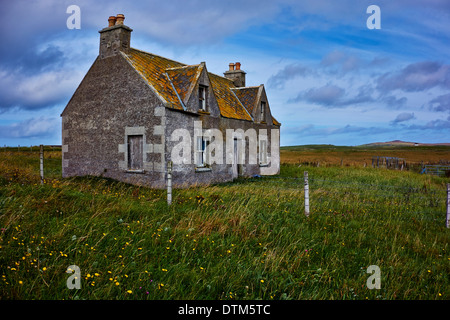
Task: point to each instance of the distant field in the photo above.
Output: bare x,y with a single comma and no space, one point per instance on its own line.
248,239
360,155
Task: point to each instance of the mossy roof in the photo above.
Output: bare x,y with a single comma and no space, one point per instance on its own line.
174,81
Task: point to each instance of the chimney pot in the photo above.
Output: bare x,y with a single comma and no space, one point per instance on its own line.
120,18
238,66
111,21
231,66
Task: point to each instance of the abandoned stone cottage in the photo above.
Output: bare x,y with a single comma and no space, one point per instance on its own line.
135,111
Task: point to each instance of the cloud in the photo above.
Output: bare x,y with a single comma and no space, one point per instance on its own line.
342,61
416,77
393,102
327,95
33,60
187,23
440,103
39,91
289,72
332,96
41,127
435,125
312,130
402,117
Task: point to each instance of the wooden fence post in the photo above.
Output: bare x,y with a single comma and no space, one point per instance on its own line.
169,183
447,222
41,162
306,194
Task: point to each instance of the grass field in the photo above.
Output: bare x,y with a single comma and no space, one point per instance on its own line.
248,239
329,155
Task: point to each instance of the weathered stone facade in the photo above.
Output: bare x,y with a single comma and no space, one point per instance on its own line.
124,120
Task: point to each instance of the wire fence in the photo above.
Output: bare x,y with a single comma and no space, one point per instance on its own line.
320,195
329,196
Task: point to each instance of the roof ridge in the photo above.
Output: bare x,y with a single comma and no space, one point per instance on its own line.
156,55
249,87
184,67
225,78
183,64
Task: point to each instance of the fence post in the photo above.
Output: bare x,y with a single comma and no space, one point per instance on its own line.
41,162
306,194
447,222
169,183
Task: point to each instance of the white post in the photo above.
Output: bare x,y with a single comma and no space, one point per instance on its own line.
169,183
447,222
306,194
41,160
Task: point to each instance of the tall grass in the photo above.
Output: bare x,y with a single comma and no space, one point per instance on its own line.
248,239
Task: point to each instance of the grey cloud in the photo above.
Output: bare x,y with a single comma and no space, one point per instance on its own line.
289,72
343,62
436,125
364,95
332,96
440,103
311,130
405,116
327,95
393,102
416,77
31,61
38,91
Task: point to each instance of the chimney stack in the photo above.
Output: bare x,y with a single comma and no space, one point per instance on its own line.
115,37
236,74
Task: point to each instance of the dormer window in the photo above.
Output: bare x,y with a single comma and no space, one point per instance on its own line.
202,94
263,108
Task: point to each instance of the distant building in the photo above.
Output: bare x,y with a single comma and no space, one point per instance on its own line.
134,111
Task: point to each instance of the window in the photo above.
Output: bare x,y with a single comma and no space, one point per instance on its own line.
135,152
202,156
263,109
263,152
202,93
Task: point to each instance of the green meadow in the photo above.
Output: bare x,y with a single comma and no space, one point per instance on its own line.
247,239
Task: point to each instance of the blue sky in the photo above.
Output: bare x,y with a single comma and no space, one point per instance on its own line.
328,77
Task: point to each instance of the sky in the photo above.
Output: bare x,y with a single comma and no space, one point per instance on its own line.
329,78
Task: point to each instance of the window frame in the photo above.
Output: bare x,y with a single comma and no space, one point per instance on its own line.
202,98
262,111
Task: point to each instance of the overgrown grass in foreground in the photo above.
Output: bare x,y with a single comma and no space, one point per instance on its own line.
243,240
